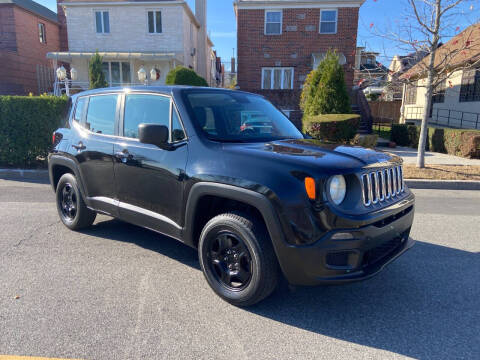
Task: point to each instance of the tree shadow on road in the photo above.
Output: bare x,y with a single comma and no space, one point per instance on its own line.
423,305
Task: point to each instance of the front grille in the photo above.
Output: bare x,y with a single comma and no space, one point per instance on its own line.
382,185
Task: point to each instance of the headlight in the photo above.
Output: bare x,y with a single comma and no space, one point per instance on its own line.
337,188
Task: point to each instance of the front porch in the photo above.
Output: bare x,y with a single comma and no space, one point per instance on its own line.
120,68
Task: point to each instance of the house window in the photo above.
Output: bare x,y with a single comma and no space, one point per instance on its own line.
411,94
117,73
41,33
102,22
439,93
277,78
470,89
273,22
328,21
154,22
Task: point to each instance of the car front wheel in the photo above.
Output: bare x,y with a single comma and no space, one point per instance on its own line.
237,259
70,205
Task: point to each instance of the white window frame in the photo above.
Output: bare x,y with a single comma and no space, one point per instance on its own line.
272,78
109,80
155,21
42,34
102,11
265,22
336,22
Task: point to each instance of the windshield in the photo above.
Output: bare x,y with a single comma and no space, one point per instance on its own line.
238,117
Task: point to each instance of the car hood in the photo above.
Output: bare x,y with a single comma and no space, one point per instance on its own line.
317,153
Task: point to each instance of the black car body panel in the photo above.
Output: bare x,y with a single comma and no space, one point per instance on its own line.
160,189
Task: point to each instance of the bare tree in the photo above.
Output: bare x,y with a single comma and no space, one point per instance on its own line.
426,24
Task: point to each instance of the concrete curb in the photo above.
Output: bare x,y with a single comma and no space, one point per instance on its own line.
443,184
25,175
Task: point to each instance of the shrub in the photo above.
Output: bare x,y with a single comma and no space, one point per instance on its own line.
95,72
459,142
332,127
184,76
26,127
399,134
414,137
324,90
367,141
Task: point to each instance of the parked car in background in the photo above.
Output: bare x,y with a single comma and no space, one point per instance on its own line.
256,204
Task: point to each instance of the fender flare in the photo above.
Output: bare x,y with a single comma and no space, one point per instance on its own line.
68,163
250,197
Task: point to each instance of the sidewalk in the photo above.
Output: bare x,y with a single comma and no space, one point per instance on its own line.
409,156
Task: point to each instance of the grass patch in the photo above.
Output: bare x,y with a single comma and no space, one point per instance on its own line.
442,172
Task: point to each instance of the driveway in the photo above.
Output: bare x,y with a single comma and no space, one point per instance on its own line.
117,291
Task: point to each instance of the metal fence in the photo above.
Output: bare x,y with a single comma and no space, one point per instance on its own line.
446,117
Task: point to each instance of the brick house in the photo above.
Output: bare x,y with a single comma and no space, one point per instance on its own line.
281,41
155,35
28,32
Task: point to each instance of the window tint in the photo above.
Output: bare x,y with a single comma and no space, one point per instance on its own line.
79,109
148,109
177,130
238,117
101,114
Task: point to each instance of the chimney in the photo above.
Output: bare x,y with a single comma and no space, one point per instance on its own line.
62,27
232,69
201,15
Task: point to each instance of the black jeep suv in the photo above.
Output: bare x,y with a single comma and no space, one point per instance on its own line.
257,201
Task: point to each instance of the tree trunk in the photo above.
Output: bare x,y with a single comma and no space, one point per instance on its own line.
428,97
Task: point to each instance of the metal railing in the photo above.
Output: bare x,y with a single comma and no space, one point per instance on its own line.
446,117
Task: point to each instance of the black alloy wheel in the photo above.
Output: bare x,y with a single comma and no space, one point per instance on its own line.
69,202
237,258
229,260
72,210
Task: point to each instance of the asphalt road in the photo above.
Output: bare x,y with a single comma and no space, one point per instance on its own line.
117,291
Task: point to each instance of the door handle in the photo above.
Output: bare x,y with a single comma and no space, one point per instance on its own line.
80,146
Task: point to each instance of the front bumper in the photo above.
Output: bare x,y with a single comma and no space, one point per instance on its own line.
358,256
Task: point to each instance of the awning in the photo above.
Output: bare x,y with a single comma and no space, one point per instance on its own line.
68,56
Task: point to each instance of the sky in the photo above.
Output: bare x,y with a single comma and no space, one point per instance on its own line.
376,16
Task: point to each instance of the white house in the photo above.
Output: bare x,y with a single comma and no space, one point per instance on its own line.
131,35
456,100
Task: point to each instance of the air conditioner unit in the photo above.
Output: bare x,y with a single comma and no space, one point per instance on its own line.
193,52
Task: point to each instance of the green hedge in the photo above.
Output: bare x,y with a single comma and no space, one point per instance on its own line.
184,76
26,127
459,142
332,127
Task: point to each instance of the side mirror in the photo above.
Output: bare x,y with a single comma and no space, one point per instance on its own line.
153,134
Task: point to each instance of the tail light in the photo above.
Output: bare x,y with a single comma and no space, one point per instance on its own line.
56,138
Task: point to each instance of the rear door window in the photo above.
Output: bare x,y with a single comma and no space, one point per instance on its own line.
145,109
79,109
101,114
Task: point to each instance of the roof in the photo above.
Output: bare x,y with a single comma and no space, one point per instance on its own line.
460,50
33,7
69,55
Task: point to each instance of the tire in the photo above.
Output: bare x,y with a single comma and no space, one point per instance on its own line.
232,245
70,205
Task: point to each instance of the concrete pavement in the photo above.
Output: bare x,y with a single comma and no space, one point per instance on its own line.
116,291
409,156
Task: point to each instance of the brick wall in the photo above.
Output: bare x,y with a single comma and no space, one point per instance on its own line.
18,73
293,48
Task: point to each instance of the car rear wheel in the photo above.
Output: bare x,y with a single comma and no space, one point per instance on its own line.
70,205
237,259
